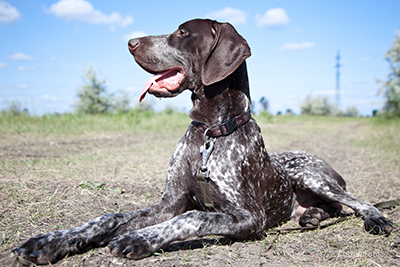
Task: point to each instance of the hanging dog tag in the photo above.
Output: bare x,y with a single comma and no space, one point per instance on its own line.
203,174
206,151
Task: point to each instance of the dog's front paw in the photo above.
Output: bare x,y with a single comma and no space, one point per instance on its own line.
133,246
378,225
46,248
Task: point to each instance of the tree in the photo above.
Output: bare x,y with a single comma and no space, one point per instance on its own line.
289,112
351,112
92,97
264,104
120,101
320,106
391,87
15,108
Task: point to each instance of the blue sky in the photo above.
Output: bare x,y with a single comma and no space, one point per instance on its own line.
45,46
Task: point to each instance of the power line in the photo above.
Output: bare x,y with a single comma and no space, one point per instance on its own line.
338,78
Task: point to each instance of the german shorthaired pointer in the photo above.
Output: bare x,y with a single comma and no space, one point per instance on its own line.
234,187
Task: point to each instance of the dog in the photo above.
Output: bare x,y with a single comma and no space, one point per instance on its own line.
232,187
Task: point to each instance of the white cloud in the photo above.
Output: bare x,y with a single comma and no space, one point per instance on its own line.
134,34
3,65
49,97
16,86
25,68
84,11
20,57
8,13
232,15
297,46
273,18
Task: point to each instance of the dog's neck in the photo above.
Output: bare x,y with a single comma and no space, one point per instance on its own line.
218,102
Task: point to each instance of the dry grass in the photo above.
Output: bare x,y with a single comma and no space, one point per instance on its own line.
56,173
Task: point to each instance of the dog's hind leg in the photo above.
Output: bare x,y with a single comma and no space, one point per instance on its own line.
317,184
333,194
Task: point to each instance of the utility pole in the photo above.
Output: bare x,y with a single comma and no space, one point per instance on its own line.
338,78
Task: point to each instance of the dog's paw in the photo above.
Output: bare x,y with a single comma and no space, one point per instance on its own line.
378,225
312,217
132,246
46,248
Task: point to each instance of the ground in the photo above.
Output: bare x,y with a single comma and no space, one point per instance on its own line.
51,181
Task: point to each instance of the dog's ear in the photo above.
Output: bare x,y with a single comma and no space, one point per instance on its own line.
229,50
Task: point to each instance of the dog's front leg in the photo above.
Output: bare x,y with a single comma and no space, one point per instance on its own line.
50,247
141,243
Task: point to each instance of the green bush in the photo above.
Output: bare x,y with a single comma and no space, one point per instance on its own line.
319,106
93,98
15,108
351,112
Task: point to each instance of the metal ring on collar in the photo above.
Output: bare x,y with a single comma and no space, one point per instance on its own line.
205,133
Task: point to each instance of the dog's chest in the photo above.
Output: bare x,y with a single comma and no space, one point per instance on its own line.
226,169
236,165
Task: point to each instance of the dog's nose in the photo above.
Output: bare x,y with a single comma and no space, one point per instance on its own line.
133,44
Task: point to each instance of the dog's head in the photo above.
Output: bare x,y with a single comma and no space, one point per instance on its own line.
200,52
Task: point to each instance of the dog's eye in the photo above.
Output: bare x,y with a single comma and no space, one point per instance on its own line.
182,32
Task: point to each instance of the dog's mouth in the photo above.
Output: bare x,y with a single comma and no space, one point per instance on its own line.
163,83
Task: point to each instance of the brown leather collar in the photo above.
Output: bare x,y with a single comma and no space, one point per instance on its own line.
225,128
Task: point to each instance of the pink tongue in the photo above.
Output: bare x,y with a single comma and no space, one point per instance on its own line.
171,74
149,83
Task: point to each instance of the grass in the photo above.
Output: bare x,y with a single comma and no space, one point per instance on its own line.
380,134
59,171
73,124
